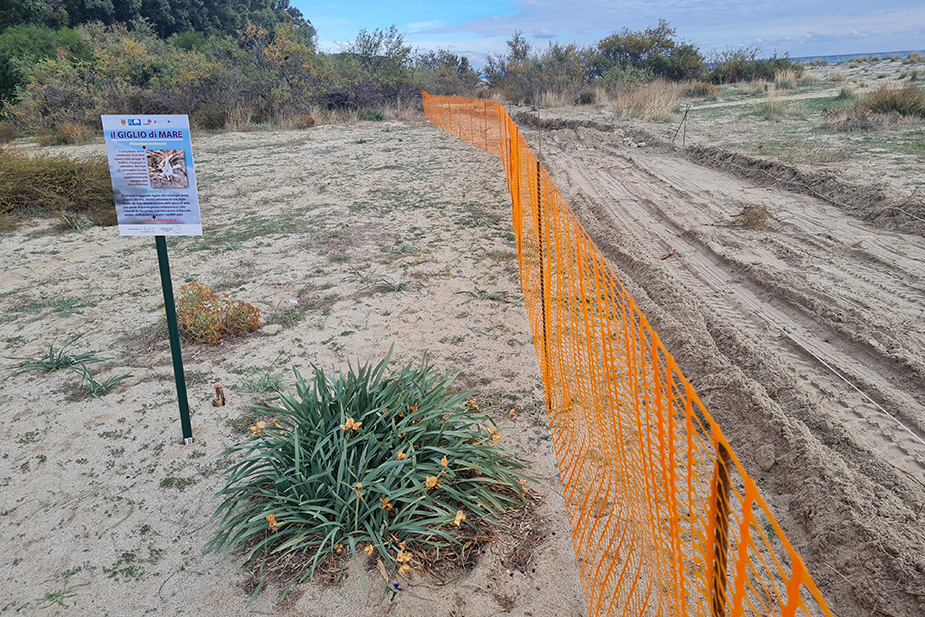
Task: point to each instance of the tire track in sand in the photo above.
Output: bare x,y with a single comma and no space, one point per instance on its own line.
789,307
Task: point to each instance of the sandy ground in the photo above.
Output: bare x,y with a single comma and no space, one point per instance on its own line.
804,334
104,512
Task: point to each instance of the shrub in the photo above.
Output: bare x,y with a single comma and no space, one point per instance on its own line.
56,184
392,464
207,318
586,97
373,115
905,101
209,117
743,64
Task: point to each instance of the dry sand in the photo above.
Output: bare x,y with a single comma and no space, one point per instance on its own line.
103,512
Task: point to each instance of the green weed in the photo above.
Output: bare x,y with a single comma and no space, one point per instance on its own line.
55,359
57,598
96,388
263,382
383,283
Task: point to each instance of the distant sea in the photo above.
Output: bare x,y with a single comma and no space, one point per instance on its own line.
846,57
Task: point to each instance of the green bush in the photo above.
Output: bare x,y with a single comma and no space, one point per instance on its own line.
586,97
22,47
389,463
744,64
209,117
653,51
370,115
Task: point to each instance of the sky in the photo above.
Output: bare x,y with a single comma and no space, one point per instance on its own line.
474,28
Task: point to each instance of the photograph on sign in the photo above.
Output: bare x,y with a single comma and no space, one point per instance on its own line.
153,176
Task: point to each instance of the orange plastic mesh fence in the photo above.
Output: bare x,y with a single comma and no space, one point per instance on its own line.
664,519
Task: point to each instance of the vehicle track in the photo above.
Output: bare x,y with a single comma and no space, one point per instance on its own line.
823,313
643,194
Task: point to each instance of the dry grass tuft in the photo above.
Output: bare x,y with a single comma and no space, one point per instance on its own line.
754,218
772,106
855,120
907,100
239,117
52,185
404,112
785,80
654,101
554,99
64,134
704,89
7,133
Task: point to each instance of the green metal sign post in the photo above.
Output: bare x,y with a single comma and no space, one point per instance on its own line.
174,333
154,187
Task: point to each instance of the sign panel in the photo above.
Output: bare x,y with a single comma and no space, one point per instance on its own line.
151,164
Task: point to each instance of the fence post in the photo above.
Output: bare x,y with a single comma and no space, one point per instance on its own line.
719,502
542,255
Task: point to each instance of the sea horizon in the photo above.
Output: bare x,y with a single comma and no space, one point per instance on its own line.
836,58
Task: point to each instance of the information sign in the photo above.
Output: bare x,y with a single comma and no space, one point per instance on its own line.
151,164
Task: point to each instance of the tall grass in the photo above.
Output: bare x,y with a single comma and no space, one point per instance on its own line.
653,101
772,106
55,185
785,80
907,100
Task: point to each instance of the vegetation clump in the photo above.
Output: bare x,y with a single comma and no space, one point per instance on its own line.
55,185
907,100
390,464
744,64
206,317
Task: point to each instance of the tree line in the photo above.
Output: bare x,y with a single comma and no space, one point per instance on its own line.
63,63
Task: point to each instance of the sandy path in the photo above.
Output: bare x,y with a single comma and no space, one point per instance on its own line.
806,336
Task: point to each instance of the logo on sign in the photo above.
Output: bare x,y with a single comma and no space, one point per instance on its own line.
134,122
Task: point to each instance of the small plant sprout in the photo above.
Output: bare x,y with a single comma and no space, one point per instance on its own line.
96,388
55,359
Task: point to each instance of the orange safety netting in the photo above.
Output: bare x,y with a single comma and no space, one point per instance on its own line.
665,520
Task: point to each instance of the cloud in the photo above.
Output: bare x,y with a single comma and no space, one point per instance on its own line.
424,25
